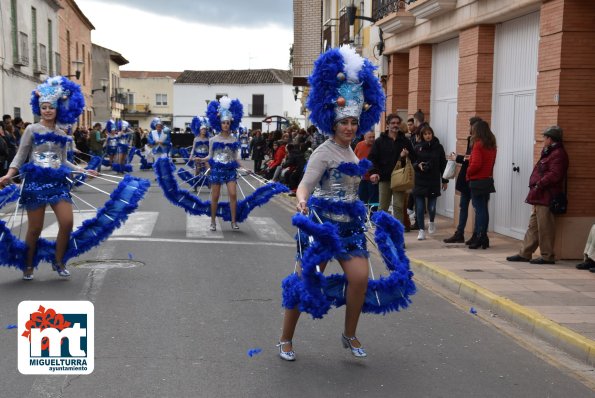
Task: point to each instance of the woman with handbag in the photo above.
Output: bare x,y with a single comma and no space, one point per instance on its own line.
429,166
481,182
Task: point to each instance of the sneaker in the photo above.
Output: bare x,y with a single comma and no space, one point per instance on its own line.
431,227
421,235
411,213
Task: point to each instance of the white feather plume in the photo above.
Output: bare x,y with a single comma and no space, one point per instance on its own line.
353,63
225,102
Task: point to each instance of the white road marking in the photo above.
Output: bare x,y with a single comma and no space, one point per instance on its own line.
269,230
140,223
198,227
214,242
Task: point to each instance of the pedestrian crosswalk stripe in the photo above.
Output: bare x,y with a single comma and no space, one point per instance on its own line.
198,227
140,223
269,230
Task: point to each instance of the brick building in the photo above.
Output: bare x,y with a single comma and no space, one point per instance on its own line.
521,65
75,52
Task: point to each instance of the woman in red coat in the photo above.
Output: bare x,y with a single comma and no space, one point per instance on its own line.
480,175
279,153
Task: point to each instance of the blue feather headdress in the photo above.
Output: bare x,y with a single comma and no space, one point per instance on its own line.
199,123
110,126
155,122
122,125
225,109
62,94
343,84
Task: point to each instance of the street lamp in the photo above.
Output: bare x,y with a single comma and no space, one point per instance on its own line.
103,83
77,66
296,91
351,17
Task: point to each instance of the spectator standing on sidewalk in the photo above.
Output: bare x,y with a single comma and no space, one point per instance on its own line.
546,181
462,186
367,191
589,254
480,176
257,147
429,165
391,147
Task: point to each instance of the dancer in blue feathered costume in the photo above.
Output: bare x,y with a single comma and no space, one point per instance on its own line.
200,150
124,137
223,115
159,139
46,180
111,142
345,100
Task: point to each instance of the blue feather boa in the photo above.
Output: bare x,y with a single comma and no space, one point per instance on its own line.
315,294
123,201
9,194
192,204
192,180
42,138
92,165
353,169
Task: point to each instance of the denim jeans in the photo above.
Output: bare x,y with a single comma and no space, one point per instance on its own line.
463,212
482,217
420,207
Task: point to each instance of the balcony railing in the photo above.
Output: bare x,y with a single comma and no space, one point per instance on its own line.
382,8
137,108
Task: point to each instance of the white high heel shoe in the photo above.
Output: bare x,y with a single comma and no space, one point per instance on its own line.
357,352
286,355
62,271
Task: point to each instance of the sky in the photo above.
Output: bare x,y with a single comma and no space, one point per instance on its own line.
177,35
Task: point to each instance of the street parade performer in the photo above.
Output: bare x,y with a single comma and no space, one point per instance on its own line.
224,117
46,177
200,149
159,140
124,138
345,100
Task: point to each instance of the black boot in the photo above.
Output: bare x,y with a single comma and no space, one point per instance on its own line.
482,241
472,239
458,237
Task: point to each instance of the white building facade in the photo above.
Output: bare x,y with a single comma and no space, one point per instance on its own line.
264,93
28,51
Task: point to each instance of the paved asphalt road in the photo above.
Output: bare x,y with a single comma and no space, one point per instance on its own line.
181,326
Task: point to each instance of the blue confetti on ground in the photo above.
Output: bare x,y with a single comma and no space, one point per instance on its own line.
473,311
254,351
130,256
11,327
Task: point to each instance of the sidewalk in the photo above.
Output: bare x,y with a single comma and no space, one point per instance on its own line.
553,302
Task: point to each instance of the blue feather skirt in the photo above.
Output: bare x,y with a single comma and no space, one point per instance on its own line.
222,173
123,201
192,204
315,293
44,186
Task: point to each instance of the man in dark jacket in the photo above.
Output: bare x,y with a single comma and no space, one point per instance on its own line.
546,181
462,185
390,147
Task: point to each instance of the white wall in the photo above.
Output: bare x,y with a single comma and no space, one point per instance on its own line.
190,100
15,91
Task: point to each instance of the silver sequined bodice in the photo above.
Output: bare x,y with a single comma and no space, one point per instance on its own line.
338,186
48,154
224,155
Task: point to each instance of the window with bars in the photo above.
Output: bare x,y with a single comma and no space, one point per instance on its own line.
43,58
34,38
50,47
58,63
161,99
23,49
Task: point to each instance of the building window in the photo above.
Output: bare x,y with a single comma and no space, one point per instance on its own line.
68,57
34,38
161,99
84,67
43,58
16,112
130,98
23,49
256,126
14,32
58,62
257,105
51,47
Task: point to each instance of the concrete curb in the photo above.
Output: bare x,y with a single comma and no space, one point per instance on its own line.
527,319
